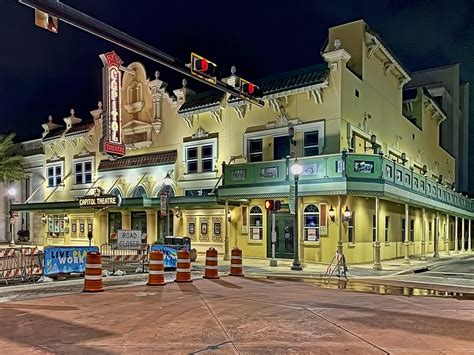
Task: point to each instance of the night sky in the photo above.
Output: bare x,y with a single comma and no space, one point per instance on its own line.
42,73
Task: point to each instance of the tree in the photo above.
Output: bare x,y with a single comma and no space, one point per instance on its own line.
10,163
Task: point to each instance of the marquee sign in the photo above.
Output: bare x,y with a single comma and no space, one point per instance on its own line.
111,142
99,200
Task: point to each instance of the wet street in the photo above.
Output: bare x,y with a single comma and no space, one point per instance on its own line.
236,315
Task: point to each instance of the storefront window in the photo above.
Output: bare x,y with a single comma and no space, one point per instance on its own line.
56,224
115,223
256,223
311,223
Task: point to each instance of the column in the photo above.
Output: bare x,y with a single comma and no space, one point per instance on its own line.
463,239
456,237
226,231
377,264
446,235
151,235
423,234
406,242
340,247
100,233
436,237
469,240
126,219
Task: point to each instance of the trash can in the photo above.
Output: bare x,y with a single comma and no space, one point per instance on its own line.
169,240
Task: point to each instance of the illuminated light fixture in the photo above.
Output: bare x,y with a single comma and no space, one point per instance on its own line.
347,214
332,214
11,192
66,218
296,168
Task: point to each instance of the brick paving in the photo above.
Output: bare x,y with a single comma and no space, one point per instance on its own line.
236,315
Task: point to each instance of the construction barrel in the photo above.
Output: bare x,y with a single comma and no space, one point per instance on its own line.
93,274
236,263
156,273
212,269
183,267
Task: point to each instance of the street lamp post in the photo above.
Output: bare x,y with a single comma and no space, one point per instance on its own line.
296,170
11,195
168,181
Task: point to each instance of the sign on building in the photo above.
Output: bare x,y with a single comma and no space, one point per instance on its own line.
99,200
129,239
111,142
164,204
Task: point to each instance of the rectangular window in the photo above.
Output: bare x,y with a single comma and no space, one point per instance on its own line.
83,172
403,229
54,175
192,160
430,230
387,229
281,147
255,150
311,143
207,158
374,228
412,230
351,229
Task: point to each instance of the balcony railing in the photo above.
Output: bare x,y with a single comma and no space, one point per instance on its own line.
344,167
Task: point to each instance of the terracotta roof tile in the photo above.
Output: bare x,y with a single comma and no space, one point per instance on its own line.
138,161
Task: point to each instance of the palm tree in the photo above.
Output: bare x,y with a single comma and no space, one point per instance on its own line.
10,163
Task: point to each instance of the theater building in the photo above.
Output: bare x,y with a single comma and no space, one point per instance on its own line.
375,183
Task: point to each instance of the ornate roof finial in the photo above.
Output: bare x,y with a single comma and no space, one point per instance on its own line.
50,118
157,74
184,82
72,112
99,105
233,70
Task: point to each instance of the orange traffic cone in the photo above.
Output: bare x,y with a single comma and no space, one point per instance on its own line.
212,269
93,274
156,274
236,263
183,267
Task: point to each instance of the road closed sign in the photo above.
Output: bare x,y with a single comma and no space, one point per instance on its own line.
129,239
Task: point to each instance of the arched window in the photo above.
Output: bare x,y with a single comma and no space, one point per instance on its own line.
116,191
256,223
168,189
311,223
139,191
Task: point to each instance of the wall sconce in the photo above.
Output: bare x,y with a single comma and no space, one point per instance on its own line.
332,214
43,219
404,158
178,213
228,216
425,170
440,179
66,218
346,216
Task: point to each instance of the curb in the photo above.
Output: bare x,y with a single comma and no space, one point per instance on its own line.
431,266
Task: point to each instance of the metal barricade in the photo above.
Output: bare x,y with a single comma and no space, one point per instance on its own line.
124,259
19,264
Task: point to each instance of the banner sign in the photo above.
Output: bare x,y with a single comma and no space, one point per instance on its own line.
164,204
170,253
129,239
64,260
99,200
111,142
292,199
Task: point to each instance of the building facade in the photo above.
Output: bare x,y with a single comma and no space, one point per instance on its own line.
452,95
374,183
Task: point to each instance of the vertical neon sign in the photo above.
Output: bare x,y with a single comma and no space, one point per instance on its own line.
111,142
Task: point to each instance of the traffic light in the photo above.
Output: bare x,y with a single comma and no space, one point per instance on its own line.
203,68
277,205
249,89
269,205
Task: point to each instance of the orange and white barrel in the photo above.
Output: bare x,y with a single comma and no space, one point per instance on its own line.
236,268
183,267
212,269
156,272
93,274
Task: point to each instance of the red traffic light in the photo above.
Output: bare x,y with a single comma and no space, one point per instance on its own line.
251,90
269,204
204,67
201,65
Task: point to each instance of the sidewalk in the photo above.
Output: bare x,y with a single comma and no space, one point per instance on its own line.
389,267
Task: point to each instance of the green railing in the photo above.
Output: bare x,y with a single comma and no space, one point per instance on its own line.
348,167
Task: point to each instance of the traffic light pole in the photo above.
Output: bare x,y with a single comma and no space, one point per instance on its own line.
90,24
273,261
